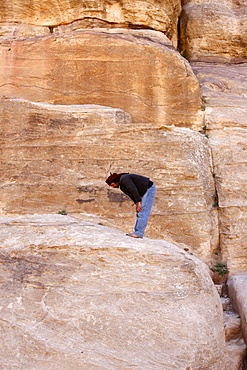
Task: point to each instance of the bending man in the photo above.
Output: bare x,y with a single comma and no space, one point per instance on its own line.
142,191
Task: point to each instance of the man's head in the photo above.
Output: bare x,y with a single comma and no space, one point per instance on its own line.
113,180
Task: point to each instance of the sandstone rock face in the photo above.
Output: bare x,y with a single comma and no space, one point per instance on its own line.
159,15
137,71
223,90
235,344
57,157
224,94
214,30
77,295
237,290
229,150
121,99
237,354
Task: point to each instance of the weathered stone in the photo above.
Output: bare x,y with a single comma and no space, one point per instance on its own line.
232,323
226,303
230,167
57,157
236,349
237,292
230,164
48,150
214,30
158,15
137,71
12,31
224,93
219,288
235,344
78,295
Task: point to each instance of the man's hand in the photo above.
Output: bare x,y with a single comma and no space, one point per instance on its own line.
138,207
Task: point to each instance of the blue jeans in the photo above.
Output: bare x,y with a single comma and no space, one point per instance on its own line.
143,216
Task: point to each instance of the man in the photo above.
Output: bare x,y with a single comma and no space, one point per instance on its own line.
142,191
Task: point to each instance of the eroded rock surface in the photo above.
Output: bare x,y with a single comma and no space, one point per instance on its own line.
214,31
159,15
224,94
57,157
230,160
237,291
137,71
78,295
223,90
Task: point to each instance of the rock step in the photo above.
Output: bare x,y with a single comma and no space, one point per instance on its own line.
232,324
226,303
236,349
235,345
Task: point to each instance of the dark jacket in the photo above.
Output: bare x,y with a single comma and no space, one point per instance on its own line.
135,186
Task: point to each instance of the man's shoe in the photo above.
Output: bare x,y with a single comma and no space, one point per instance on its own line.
134,236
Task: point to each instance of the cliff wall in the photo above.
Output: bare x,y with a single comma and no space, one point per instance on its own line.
156,88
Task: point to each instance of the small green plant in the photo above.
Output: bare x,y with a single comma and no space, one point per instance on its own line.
221,268
63,212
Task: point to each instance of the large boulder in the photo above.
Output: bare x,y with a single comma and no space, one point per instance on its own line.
78,295
57,157
137,71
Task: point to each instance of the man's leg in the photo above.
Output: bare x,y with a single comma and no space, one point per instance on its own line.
143,216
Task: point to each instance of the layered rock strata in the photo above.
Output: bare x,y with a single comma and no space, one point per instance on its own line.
56,158
223,90
214,31
137,71
158,15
